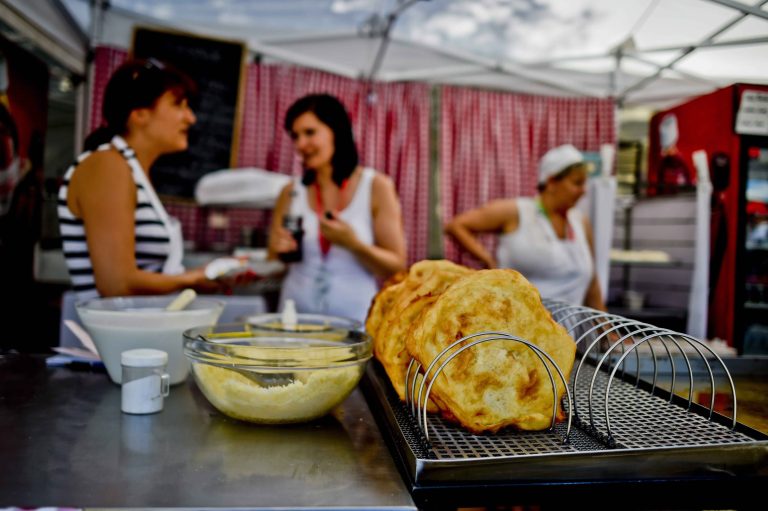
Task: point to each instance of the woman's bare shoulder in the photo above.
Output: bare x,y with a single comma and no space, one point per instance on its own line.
381,180
102,164
287,188
384,194
382,186
102,180
504,213
106,171
504,206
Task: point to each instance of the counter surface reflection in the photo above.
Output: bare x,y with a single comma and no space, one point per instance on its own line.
66,443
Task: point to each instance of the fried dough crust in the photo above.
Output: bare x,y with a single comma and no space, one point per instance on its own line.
395,307
501,383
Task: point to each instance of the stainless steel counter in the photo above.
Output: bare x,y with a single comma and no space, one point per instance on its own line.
66,443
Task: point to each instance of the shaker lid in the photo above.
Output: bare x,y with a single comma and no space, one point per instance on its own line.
143,357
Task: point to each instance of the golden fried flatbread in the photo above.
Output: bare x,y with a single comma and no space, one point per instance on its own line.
494,384
395,279
380,304
395,308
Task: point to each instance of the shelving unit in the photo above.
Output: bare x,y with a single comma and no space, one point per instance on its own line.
650,290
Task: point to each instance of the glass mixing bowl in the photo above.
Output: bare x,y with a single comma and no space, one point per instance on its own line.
275,377
304,323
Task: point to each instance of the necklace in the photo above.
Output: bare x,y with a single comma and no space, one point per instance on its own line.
325,244
543,211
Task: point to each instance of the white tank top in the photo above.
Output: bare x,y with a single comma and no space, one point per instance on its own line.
337,283
560,268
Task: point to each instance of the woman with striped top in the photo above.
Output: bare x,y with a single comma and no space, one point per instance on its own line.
117,237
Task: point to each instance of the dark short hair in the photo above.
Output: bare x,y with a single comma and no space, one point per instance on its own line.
137,83
332,113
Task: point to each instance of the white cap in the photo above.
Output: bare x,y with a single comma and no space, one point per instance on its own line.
558,159
143,357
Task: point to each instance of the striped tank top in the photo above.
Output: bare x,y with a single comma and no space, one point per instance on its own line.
153,231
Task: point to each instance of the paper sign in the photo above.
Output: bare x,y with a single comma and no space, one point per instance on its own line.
77,353
752,118
81,335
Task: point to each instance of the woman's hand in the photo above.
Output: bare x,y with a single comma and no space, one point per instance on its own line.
490,262
283,240
496,216
227,273
338,231
199,282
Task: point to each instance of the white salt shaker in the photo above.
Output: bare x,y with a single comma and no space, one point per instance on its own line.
145,382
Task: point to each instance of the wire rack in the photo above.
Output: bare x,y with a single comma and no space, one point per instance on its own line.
614,417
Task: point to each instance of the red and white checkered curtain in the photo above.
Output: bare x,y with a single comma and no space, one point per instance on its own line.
106,59
390,122
490,144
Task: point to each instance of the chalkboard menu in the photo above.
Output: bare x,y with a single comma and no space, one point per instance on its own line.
217,68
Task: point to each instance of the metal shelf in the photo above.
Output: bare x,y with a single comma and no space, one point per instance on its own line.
655,438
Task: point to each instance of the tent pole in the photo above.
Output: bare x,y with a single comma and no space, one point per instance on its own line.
385,33
39,36
97,20
81,112
685,74
510,68
692,48
435,244
659,49
746,9
614,86
85,92
710,44
381,51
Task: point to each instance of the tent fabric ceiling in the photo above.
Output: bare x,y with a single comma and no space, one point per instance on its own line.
557,47
49,27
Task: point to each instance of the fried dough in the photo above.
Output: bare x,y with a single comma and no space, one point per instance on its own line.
380,304
395,307
498,383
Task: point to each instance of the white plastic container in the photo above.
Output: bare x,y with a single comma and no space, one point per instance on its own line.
145,382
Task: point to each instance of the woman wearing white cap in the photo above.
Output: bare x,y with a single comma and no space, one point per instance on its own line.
544,237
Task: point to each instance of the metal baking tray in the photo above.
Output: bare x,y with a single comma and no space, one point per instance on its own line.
655,435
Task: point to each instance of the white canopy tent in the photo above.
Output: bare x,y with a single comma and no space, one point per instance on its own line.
651,53
654,52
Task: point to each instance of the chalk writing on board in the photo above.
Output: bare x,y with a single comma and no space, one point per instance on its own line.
217,67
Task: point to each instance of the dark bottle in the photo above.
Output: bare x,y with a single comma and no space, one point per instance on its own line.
294,224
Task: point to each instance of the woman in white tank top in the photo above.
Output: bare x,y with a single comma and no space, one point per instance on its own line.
350,215
545,238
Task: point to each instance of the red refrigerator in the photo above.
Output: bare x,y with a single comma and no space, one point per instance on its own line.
731,124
